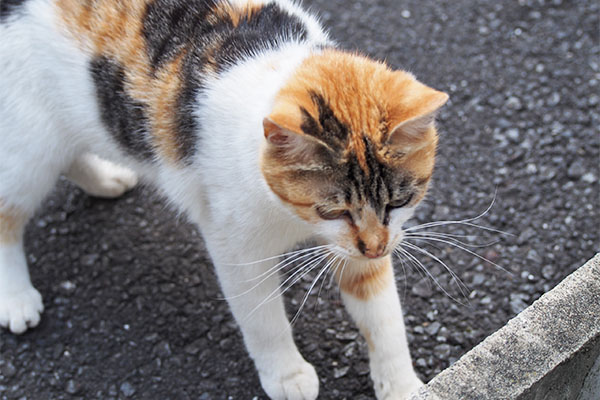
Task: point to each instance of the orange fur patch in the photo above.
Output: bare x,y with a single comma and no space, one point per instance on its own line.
12,222
365,280
164,126
296,194
114,29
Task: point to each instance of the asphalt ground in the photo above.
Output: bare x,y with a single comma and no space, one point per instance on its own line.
133,309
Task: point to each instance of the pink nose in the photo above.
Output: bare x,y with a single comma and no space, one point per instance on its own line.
373,253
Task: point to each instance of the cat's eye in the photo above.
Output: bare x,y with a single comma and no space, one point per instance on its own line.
400,203
332,214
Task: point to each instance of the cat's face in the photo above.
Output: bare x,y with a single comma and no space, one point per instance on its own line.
350,147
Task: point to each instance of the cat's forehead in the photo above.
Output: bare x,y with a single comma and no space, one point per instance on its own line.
341,98
346,101
364,179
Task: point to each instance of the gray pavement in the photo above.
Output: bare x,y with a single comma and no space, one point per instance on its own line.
133,309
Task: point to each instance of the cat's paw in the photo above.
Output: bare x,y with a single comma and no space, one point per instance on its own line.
295,383
101,178
399,389
20,310
111,180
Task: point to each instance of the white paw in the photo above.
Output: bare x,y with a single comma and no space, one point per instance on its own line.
399,389
111,180
296,383
21,309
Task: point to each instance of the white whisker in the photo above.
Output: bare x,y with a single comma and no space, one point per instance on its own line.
332,269
442,223
288,261
279,256
463,249
464,220
405,252
398,251
324,269
404,273
343,268
459,282
278,267
422,234
278,292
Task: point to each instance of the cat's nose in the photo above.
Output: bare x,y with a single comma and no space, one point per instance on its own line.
374,251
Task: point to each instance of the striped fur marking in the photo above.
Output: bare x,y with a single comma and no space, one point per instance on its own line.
329,128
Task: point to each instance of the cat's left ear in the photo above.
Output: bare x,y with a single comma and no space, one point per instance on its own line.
418,117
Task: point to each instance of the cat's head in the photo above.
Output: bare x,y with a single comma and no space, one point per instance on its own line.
350,148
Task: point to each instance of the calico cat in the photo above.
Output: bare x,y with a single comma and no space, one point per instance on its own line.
250,120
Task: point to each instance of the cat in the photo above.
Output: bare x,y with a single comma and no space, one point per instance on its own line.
250,120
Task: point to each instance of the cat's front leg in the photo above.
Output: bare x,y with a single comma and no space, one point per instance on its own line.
20,303
369,293
253,294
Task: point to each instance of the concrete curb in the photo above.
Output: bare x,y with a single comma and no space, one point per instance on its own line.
549,351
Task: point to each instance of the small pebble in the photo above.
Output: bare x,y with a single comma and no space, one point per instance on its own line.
8,369
72,387
433,328
339,372
422,288
127,389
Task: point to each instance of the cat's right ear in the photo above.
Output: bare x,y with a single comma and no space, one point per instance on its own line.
277,135
293,144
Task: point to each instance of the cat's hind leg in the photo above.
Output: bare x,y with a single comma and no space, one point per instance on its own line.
99,177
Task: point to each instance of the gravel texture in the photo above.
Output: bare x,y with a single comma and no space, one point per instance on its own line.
133,309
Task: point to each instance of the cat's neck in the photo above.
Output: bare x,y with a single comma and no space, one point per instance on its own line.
230,111
240,98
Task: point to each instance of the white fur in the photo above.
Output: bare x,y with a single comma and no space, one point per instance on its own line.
48,125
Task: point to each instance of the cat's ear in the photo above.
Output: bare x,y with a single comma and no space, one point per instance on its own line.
417,118
289,142
277,135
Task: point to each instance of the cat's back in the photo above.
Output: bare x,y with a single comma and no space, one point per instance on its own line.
140,63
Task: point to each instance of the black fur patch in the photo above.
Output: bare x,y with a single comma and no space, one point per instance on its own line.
380,186
329,129
187,125
267,28
209,42
9,7
124,117
171,25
